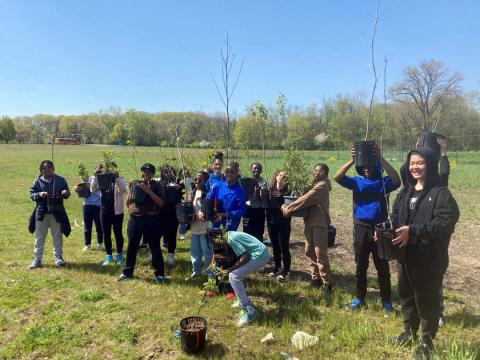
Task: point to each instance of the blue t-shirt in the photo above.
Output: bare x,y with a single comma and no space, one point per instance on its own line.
94,198
241,242
231,200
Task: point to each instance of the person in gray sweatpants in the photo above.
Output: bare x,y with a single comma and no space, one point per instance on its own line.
253,255
48,191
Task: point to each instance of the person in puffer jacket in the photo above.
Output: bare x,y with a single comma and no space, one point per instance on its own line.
369,209
424,214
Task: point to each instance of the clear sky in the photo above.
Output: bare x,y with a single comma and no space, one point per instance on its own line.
79,56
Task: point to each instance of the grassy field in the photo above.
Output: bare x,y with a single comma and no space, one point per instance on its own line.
81,312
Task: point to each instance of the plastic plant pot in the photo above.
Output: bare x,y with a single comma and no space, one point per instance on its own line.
83,190
386,249
208,209
299,213
364,153
193,332
171,194
104,180
137,195
54,202
184,212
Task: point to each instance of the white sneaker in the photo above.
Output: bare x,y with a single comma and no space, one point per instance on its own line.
182,237
100,247
170,259
247,316
284,276
86,248
236,304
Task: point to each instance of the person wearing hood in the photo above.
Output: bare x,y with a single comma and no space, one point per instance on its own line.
424,216
369,208
48,214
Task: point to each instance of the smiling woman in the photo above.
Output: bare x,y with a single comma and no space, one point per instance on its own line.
425,214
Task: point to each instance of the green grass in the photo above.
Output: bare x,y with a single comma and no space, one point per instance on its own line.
82,312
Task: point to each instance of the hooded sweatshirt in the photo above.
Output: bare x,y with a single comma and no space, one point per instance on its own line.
231,201
369,204
431,217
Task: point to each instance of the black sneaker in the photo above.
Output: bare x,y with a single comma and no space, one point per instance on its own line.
123,277
406,338
423,351
159,279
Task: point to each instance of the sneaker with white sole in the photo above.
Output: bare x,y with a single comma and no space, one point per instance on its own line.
119,259
274,273
108,260
283,276
86,248
170,259
159,279
100,247
182,237
35,264
247,315
236,304
59,261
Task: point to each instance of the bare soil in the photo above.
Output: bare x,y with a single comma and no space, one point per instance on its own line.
463,274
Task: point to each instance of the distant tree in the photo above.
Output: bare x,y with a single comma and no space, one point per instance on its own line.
140,127
424,89
7,129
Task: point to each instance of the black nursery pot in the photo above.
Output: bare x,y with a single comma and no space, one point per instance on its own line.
225,259
171,194
83,190
184,212
54,202
271,202
104,180
193,339
299,213
208,209
364,153
137,195
386,249
429,139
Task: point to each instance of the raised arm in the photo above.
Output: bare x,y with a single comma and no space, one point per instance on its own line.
343,170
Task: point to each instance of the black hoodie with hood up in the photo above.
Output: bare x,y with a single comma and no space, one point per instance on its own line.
432,221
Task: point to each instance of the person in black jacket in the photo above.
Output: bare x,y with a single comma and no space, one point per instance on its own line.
424,214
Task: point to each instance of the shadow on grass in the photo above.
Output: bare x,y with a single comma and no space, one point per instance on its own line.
464,319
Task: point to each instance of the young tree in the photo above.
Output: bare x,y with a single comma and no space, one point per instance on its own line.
424,89
7,129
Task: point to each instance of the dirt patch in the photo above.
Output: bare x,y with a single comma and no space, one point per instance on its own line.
462,276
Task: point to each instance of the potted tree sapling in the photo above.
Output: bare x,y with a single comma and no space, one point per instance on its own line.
105,178
83,189
298,180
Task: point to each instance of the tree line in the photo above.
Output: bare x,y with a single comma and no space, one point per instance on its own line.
427,97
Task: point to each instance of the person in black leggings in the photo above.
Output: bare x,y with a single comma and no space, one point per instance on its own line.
279,227
168,223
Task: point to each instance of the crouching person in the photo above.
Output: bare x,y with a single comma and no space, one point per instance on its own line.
144,217
252,255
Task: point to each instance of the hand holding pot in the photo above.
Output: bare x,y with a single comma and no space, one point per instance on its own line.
275,193
375,236
443,146
66,194
201,216
43,194
352,150
284,211
144,187
403,235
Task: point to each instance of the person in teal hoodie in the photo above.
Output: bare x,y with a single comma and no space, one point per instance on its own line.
369,208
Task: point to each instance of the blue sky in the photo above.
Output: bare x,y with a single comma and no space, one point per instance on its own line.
73,57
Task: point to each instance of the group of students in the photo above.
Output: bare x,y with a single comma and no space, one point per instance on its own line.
424,215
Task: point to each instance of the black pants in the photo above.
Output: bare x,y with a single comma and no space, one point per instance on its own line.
91,214
280,238
419,293
364,245
254,222
146,227
167,228
109,221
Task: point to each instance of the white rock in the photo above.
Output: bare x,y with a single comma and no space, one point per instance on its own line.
268,338
303,340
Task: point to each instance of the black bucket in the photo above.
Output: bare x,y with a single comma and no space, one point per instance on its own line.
83,190
137,195
208,209
225,260
385,248
429,139
193,332
184,212
271,202
54,202
171,194
104,180
298,213
364,153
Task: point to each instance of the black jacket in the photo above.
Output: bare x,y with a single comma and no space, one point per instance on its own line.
431,224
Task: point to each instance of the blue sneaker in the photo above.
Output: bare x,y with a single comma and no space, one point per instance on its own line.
119,259
108,260
388,308
247,315
357,304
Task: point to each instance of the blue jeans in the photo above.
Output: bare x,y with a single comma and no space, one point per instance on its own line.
199,246
182,229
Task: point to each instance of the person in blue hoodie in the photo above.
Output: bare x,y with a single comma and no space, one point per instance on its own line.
230,200
369,208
